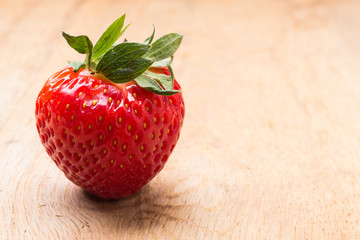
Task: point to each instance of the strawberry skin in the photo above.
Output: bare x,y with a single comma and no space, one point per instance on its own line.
108,138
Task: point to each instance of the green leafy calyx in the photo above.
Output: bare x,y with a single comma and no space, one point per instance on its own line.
128,61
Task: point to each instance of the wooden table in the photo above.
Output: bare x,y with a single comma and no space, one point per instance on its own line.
270,147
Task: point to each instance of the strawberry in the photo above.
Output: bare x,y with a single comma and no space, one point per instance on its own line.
111,122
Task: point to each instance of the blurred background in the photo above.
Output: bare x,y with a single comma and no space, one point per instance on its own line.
269,147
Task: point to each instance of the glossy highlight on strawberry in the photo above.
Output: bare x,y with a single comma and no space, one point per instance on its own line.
108,128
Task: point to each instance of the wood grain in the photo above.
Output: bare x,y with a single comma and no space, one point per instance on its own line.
270,144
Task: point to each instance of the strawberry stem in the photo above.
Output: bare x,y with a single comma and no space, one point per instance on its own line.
88,60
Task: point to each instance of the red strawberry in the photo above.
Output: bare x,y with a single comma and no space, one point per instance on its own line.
110,123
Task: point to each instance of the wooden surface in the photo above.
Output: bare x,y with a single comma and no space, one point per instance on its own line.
270,147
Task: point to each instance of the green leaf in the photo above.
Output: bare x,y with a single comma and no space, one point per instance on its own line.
81,44
129,71
109,37
124,29
165,80
172,77
165,46
149,39
152,86
121,55
76,65
162,63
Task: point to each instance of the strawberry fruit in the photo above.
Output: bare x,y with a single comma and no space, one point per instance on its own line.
111,122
